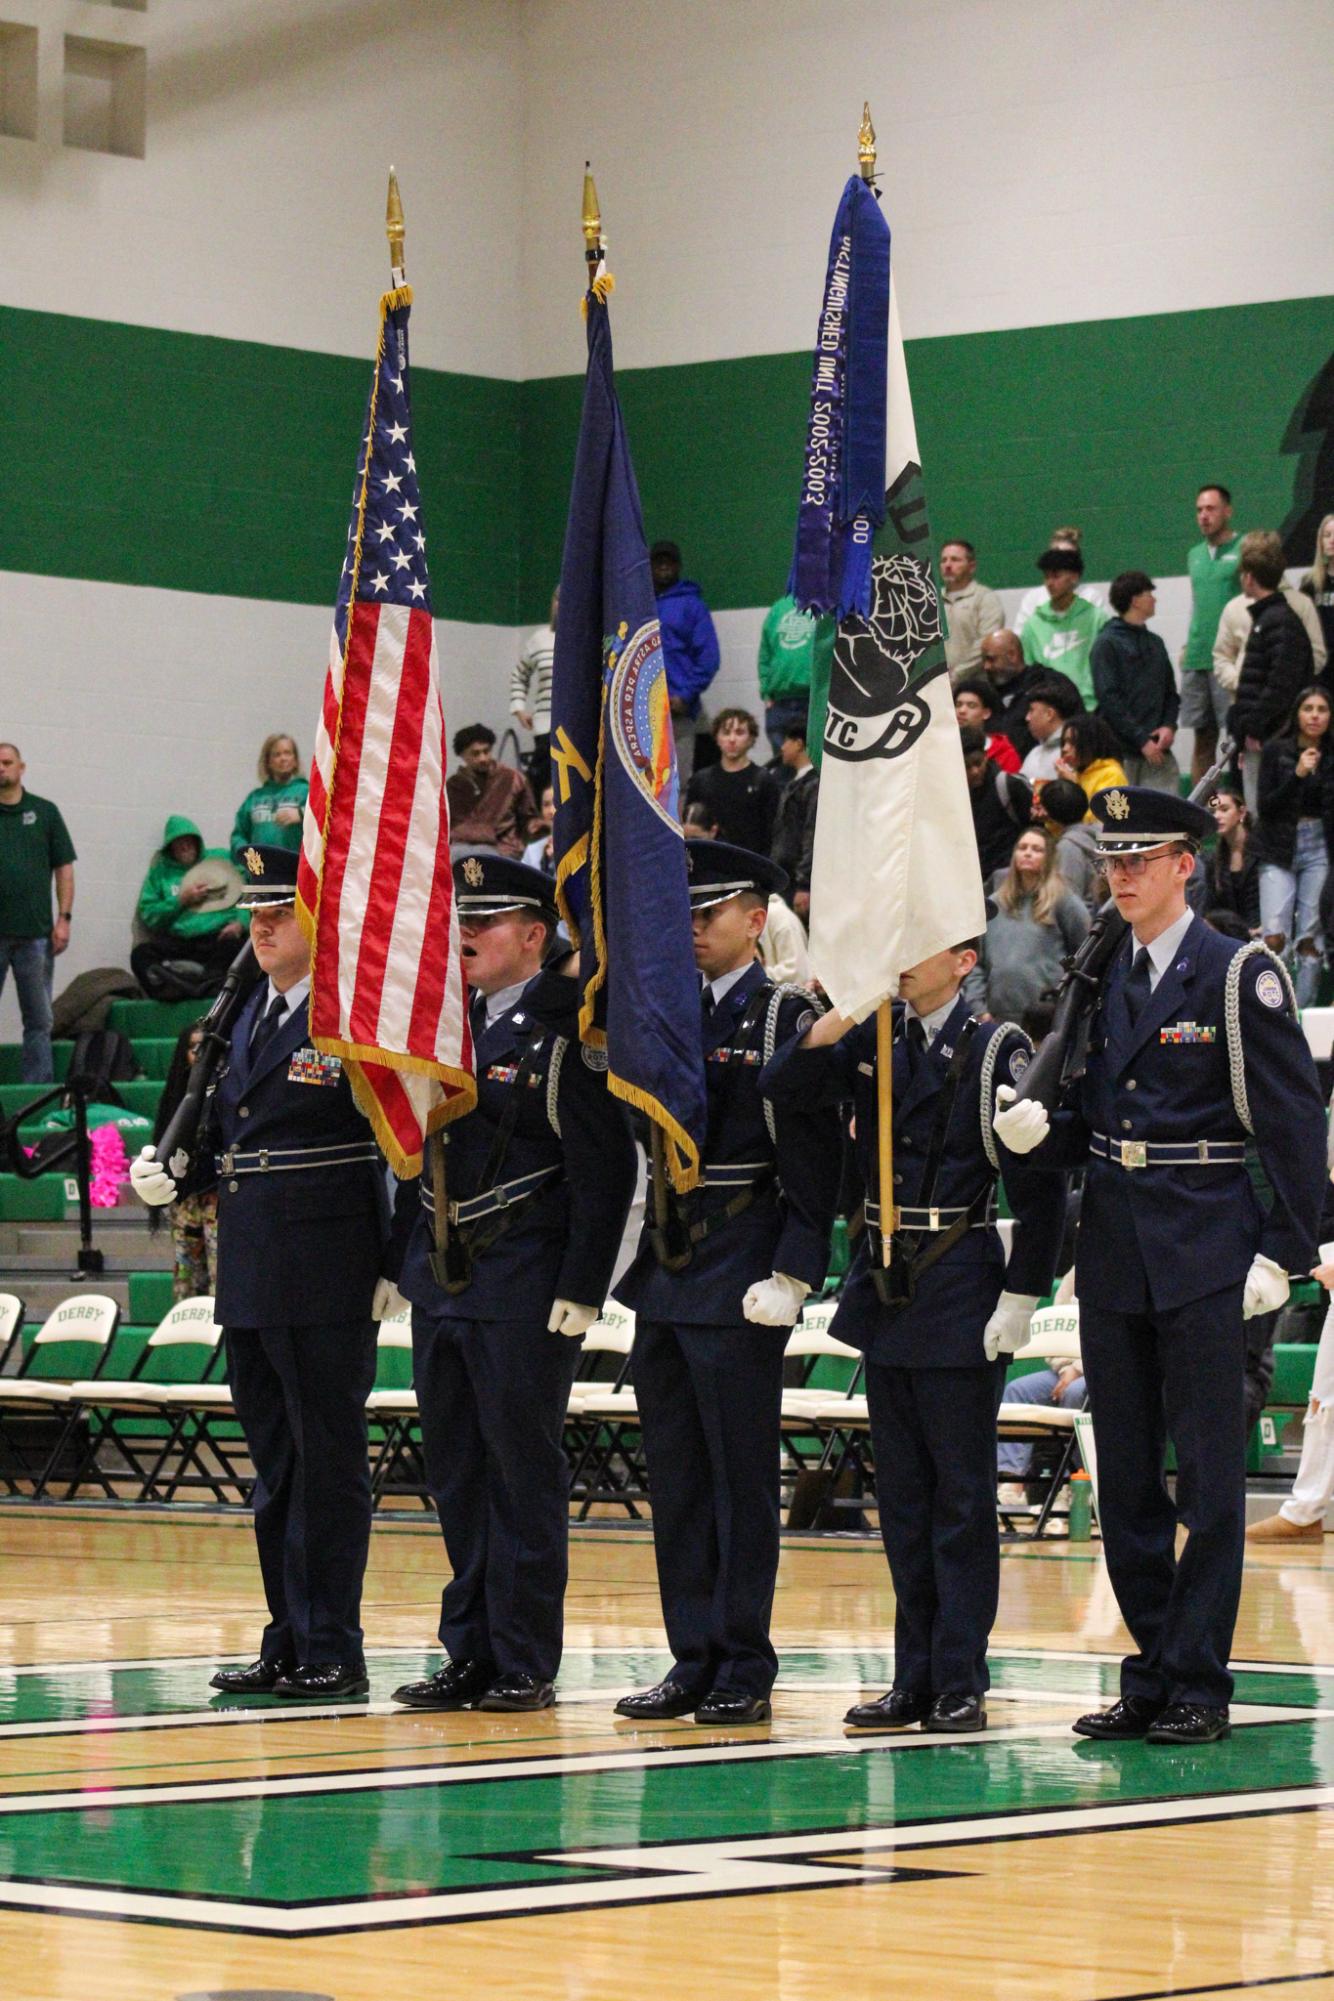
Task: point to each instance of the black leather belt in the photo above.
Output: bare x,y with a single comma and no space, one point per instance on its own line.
1134,1153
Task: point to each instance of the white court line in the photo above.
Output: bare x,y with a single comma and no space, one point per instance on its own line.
100,1797
660,1872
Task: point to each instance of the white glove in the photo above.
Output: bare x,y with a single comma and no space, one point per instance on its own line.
776,1301
151,1183
1267,1288
567,1318
1020,1127
1007,1330
388,1302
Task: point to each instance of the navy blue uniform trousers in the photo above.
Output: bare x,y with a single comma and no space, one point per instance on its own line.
300,1393
1150,1375
934,1435
493,1396
710,1403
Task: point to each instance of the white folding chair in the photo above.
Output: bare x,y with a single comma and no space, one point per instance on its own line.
1053,1335
44,1386
145,1416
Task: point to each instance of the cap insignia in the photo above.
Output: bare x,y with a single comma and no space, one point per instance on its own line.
473,872
254,861
1118,806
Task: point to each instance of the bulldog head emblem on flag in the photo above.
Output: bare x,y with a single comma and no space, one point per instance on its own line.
873,711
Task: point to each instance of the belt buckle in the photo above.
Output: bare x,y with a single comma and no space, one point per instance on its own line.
933,1219
264,1159
1203,1150
226,1162
500,1198
1134,1153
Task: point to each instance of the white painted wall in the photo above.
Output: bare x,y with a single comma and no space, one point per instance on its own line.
1043,161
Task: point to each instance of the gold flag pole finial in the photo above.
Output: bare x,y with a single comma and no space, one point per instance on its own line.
393,229
592,225
866,146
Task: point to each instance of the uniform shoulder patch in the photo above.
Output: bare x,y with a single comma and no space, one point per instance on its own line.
805,1022
594,1059
1269,989
1018,1063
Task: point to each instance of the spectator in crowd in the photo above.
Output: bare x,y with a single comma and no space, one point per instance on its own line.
1212,568
194,932
1060,538
793,844
1039,922
1052,700
1134,684
539,852
1234,629
35,852
1061,1383
1002,803
971,609
1234,867
1277,662
782,946
1065,810
689,648
271,815
1292,837
490,805
1318,583
1003,666
788,646
530,693
1088,755
975,706
193,1215
741,796
1061,632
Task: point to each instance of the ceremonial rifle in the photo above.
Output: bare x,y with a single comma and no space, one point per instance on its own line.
177,1146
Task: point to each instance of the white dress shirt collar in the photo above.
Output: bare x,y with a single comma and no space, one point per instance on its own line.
1165,947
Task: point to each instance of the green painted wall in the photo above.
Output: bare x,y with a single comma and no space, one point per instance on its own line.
135,456
222,466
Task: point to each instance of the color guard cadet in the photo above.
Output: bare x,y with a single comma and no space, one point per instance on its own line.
540,1178
716,1285
1195,1049
938,1325
302,1227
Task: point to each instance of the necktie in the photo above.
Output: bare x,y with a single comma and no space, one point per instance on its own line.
915,1035
269,1026
708,1003
1137,986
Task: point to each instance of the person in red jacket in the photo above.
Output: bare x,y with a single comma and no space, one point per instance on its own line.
976,706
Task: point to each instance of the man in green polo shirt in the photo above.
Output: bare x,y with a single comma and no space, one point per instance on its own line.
34,849
1212,569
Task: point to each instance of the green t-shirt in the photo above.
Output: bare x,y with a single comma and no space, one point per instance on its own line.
33,842
1213,580
255,824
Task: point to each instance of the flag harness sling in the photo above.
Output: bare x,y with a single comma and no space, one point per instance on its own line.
896,1284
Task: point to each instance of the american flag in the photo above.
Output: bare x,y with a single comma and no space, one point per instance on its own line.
373,885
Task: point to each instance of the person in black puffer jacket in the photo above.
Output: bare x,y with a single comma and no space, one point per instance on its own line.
1292,838
1277,663
1135,685
1234,865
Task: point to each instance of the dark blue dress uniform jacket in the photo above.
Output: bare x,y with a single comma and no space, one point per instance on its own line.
1158,1237
786,1227
561,1243
942,1326
295,1247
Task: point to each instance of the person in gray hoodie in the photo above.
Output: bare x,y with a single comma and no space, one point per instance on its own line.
1039,922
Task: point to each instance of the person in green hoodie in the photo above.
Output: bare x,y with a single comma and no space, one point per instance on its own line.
270,816
187,927
1061,632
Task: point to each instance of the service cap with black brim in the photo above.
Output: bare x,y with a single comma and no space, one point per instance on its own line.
492,885
1136,819
718,871
270,878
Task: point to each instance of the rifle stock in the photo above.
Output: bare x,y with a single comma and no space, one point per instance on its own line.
181,1137
1048,1073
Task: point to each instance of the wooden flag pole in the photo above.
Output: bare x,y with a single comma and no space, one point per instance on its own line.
884,1077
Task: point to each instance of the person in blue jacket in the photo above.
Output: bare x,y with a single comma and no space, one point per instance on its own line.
539,1180
1195,1051
939,1324
689,649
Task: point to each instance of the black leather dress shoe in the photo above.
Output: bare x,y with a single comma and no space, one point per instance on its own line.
456,1685
325,1681
1128,1717
729,1706
518,1691
1189,1723
659,1703
257,1679
959,1713
899,1710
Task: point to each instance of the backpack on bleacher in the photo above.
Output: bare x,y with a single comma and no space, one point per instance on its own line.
100,1059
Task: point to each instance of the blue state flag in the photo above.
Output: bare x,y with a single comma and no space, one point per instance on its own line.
620,856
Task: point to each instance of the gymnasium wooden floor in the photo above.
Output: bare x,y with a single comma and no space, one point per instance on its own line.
154,1845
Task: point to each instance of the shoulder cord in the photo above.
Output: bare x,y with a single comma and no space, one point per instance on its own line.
559,1045
775,1008
986,1103
1236,1061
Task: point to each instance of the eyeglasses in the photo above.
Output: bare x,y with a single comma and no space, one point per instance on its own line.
1135,865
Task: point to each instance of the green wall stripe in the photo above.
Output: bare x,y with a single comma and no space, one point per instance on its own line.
222,466
226,466
1108,423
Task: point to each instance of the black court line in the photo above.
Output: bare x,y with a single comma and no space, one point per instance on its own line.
1225,1987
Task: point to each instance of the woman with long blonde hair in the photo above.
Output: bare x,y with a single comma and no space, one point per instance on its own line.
1318,584
1039,921
272,813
